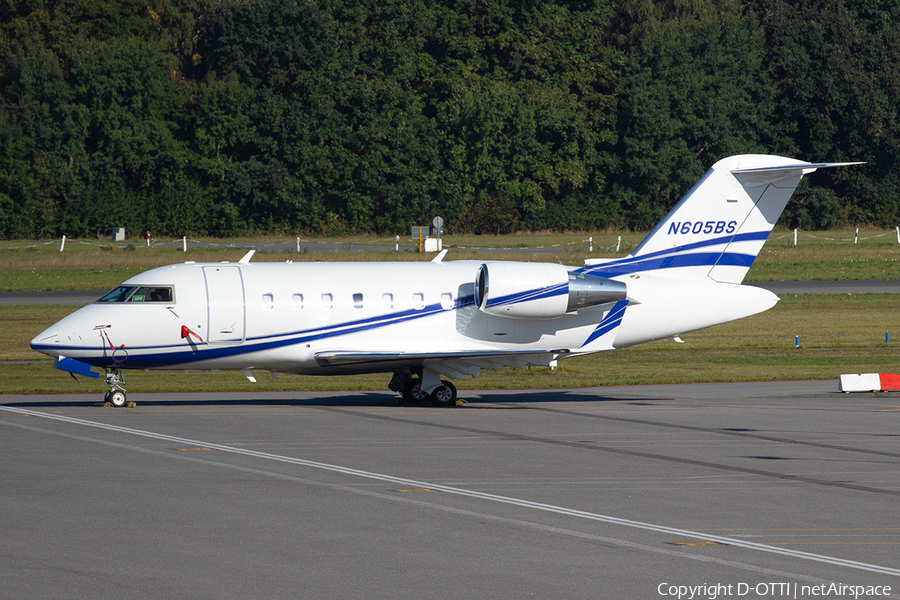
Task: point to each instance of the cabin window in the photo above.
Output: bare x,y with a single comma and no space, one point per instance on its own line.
327,301
446,300
418,301
268,301
387,300
297,300
357,300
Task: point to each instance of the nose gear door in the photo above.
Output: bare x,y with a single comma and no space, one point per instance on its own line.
225,298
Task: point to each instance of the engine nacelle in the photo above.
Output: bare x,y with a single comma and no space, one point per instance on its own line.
540,290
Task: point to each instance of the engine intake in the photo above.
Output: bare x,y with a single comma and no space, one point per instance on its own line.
540,290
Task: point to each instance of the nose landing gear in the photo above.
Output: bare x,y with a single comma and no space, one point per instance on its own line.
116,394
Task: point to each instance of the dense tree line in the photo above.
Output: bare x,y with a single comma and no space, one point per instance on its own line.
330,116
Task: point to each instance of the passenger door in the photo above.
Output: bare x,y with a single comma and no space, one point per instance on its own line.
225,298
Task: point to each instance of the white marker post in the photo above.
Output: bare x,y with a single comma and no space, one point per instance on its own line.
184,244
795,236
856,237
591,240
397,243
298,245
63,245
618,243
438,223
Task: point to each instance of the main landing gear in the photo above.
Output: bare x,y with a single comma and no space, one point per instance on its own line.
116,394
411,388
444,395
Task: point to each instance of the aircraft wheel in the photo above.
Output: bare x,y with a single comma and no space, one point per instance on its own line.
444,395
106,397
413,391
117,399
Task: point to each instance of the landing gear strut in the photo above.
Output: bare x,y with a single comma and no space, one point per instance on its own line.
116,382
409,387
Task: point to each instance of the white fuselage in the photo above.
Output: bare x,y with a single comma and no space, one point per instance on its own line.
279,316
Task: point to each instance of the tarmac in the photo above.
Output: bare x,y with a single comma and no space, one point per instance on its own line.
751,490
743,490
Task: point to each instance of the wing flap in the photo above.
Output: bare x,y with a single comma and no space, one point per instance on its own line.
452,364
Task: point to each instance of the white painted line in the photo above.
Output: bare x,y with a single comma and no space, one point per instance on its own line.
852,564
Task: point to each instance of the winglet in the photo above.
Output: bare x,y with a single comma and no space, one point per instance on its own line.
247,257
440,256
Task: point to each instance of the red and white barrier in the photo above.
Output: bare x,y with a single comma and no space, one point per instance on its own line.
870,382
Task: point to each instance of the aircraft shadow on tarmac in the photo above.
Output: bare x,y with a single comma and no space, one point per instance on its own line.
486,400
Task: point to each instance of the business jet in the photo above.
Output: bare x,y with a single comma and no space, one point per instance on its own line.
423,320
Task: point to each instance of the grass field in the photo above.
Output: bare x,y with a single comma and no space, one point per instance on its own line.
98,265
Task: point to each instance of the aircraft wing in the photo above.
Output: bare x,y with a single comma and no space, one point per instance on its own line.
458,364
452,364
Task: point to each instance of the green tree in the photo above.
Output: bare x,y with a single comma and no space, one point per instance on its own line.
340,139
36,120
95,93
837,71
524,103
693,91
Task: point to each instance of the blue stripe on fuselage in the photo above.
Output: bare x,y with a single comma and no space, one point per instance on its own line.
681,256
172,355
527,296
612,320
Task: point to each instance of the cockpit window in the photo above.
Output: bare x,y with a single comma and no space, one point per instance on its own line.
131,293
152,294
120,294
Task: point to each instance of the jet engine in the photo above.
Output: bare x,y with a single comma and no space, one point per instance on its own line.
540,290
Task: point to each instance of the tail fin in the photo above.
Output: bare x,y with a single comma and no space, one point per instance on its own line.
721,224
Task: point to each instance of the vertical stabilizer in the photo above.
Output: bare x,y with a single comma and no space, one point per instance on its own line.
721,224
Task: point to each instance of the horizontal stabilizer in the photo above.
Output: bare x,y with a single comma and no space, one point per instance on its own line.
806,167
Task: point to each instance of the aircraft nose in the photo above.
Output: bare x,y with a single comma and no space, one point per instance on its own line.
42,342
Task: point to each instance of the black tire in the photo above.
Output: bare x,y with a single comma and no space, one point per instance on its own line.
413,393
444,395
117,399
